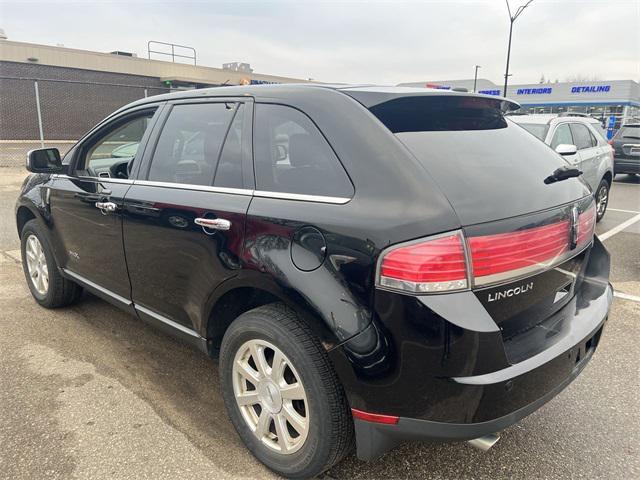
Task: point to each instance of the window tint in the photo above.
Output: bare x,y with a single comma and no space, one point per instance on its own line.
292,156
561,136
190,143
581,136
115,148
229,169
439,113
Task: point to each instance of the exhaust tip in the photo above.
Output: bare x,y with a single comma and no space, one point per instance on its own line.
484,443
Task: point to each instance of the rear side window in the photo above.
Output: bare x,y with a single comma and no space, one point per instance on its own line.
581,136
190,143
536,129
561,136
292,156
439,113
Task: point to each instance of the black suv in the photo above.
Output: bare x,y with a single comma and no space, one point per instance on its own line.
376,264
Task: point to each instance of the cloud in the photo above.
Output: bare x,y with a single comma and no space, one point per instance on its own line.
370,42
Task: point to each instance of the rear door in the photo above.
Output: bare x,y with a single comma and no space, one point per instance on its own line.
588,152
184,227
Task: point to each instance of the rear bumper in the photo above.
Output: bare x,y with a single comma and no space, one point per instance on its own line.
445,373
626,165
374,439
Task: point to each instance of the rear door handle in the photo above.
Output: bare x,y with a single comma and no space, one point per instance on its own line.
106,207
213,223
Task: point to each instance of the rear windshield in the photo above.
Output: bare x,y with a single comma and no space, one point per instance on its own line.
439,113
537,129
630,132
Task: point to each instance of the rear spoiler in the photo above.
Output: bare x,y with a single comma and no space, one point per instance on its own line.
370,97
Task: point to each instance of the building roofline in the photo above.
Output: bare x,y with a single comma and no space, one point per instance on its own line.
20,52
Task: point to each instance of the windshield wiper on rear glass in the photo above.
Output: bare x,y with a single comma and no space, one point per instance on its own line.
562,174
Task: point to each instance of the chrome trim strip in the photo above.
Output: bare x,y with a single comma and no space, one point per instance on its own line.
94,285
526,272
188,186
167,321
301,197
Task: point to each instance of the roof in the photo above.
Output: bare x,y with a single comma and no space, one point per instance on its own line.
368,95
547,118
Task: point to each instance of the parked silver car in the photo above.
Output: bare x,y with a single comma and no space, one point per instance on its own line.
582,142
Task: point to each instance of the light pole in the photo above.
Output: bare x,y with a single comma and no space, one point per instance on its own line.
475,78
512,18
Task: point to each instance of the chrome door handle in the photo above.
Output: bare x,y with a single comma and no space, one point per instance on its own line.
213,223
106,207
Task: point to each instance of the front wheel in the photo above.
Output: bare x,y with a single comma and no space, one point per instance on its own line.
602,199
48,287
282,393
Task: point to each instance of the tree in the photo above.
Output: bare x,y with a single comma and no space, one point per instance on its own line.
582,78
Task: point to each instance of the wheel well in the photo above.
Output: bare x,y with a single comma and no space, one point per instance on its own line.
228,308
608,177
22,217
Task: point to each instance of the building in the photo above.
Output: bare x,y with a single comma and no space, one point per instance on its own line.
57,93
611,101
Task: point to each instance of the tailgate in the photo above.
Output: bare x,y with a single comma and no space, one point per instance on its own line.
525,269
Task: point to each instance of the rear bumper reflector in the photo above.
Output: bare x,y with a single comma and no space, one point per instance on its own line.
374,417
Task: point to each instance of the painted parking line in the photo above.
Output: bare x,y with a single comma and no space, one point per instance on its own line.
621,210
626,296
619,228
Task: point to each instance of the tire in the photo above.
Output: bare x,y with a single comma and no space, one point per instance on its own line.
57,291
602,199
329,427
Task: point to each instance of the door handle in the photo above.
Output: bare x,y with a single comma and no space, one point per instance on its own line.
213,223
106,207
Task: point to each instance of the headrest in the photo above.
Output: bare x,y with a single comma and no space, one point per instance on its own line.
304,150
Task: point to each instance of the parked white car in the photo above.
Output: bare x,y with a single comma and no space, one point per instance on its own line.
582,142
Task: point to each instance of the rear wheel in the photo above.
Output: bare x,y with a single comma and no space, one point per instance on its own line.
48,287
602,199
282,394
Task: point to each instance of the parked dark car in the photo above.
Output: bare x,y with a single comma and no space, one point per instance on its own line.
626,149
370,264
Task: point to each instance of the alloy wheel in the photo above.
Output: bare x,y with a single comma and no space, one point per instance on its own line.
601,200
271,396
37,265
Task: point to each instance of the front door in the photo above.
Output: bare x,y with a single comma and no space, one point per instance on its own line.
184,226
87,205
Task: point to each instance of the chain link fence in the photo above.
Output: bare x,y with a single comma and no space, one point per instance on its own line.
56,113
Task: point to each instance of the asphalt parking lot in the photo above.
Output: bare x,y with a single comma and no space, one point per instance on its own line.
89,392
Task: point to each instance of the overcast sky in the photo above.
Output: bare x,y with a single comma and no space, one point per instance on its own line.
347,41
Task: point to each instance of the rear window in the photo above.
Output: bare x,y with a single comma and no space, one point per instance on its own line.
536,129
439,113
630,132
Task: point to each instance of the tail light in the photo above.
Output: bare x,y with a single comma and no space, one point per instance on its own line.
431,265
439,264
586,226
494,257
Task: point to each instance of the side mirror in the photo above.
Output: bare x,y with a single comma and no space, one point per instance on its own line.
44,160
566,149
